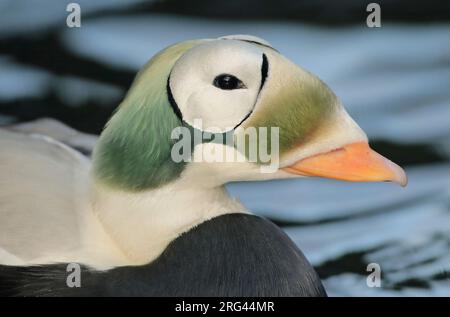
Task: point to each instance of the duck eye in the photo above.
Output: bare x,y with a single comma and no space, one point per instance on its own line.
228,82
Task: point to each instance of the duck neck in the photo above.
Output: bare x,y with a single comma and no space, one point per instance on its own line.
142,197
143,223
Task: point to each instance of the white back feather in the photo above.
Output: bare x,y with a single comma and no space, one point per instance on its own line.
45,213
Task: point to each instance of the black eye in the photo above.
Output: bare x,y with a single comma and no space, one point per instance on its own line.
228,82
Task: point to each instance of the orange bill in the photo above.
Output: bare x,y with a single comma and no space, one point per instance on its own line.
355,162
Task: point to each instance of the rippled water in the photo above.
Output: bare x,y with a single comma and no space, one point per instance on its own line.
394,81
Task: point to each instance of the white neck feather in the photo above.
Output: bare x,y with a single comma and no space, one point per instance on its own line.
144,223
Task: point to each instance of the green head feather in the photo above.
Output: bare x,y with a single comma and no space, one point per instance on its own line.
134,149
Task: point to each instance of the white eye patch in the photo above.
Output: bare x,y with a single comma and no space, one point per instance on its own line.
217,82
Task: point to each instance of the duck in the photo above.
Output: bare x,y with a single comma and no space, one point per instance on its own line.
141,221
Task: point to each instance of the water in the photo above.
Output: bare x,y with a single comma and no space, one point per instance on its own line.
394,81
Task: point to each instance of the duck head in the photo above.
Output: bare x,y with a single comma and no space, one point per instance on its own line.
223,91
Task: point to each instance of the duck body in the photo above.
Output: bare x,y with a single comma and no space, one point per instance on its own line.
230,255
141,221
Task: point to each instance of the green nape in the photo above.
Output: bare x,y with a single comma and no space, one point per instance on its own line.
134,150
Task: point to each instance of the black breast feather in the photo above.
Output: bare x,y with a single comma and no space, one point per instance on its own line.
231,255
